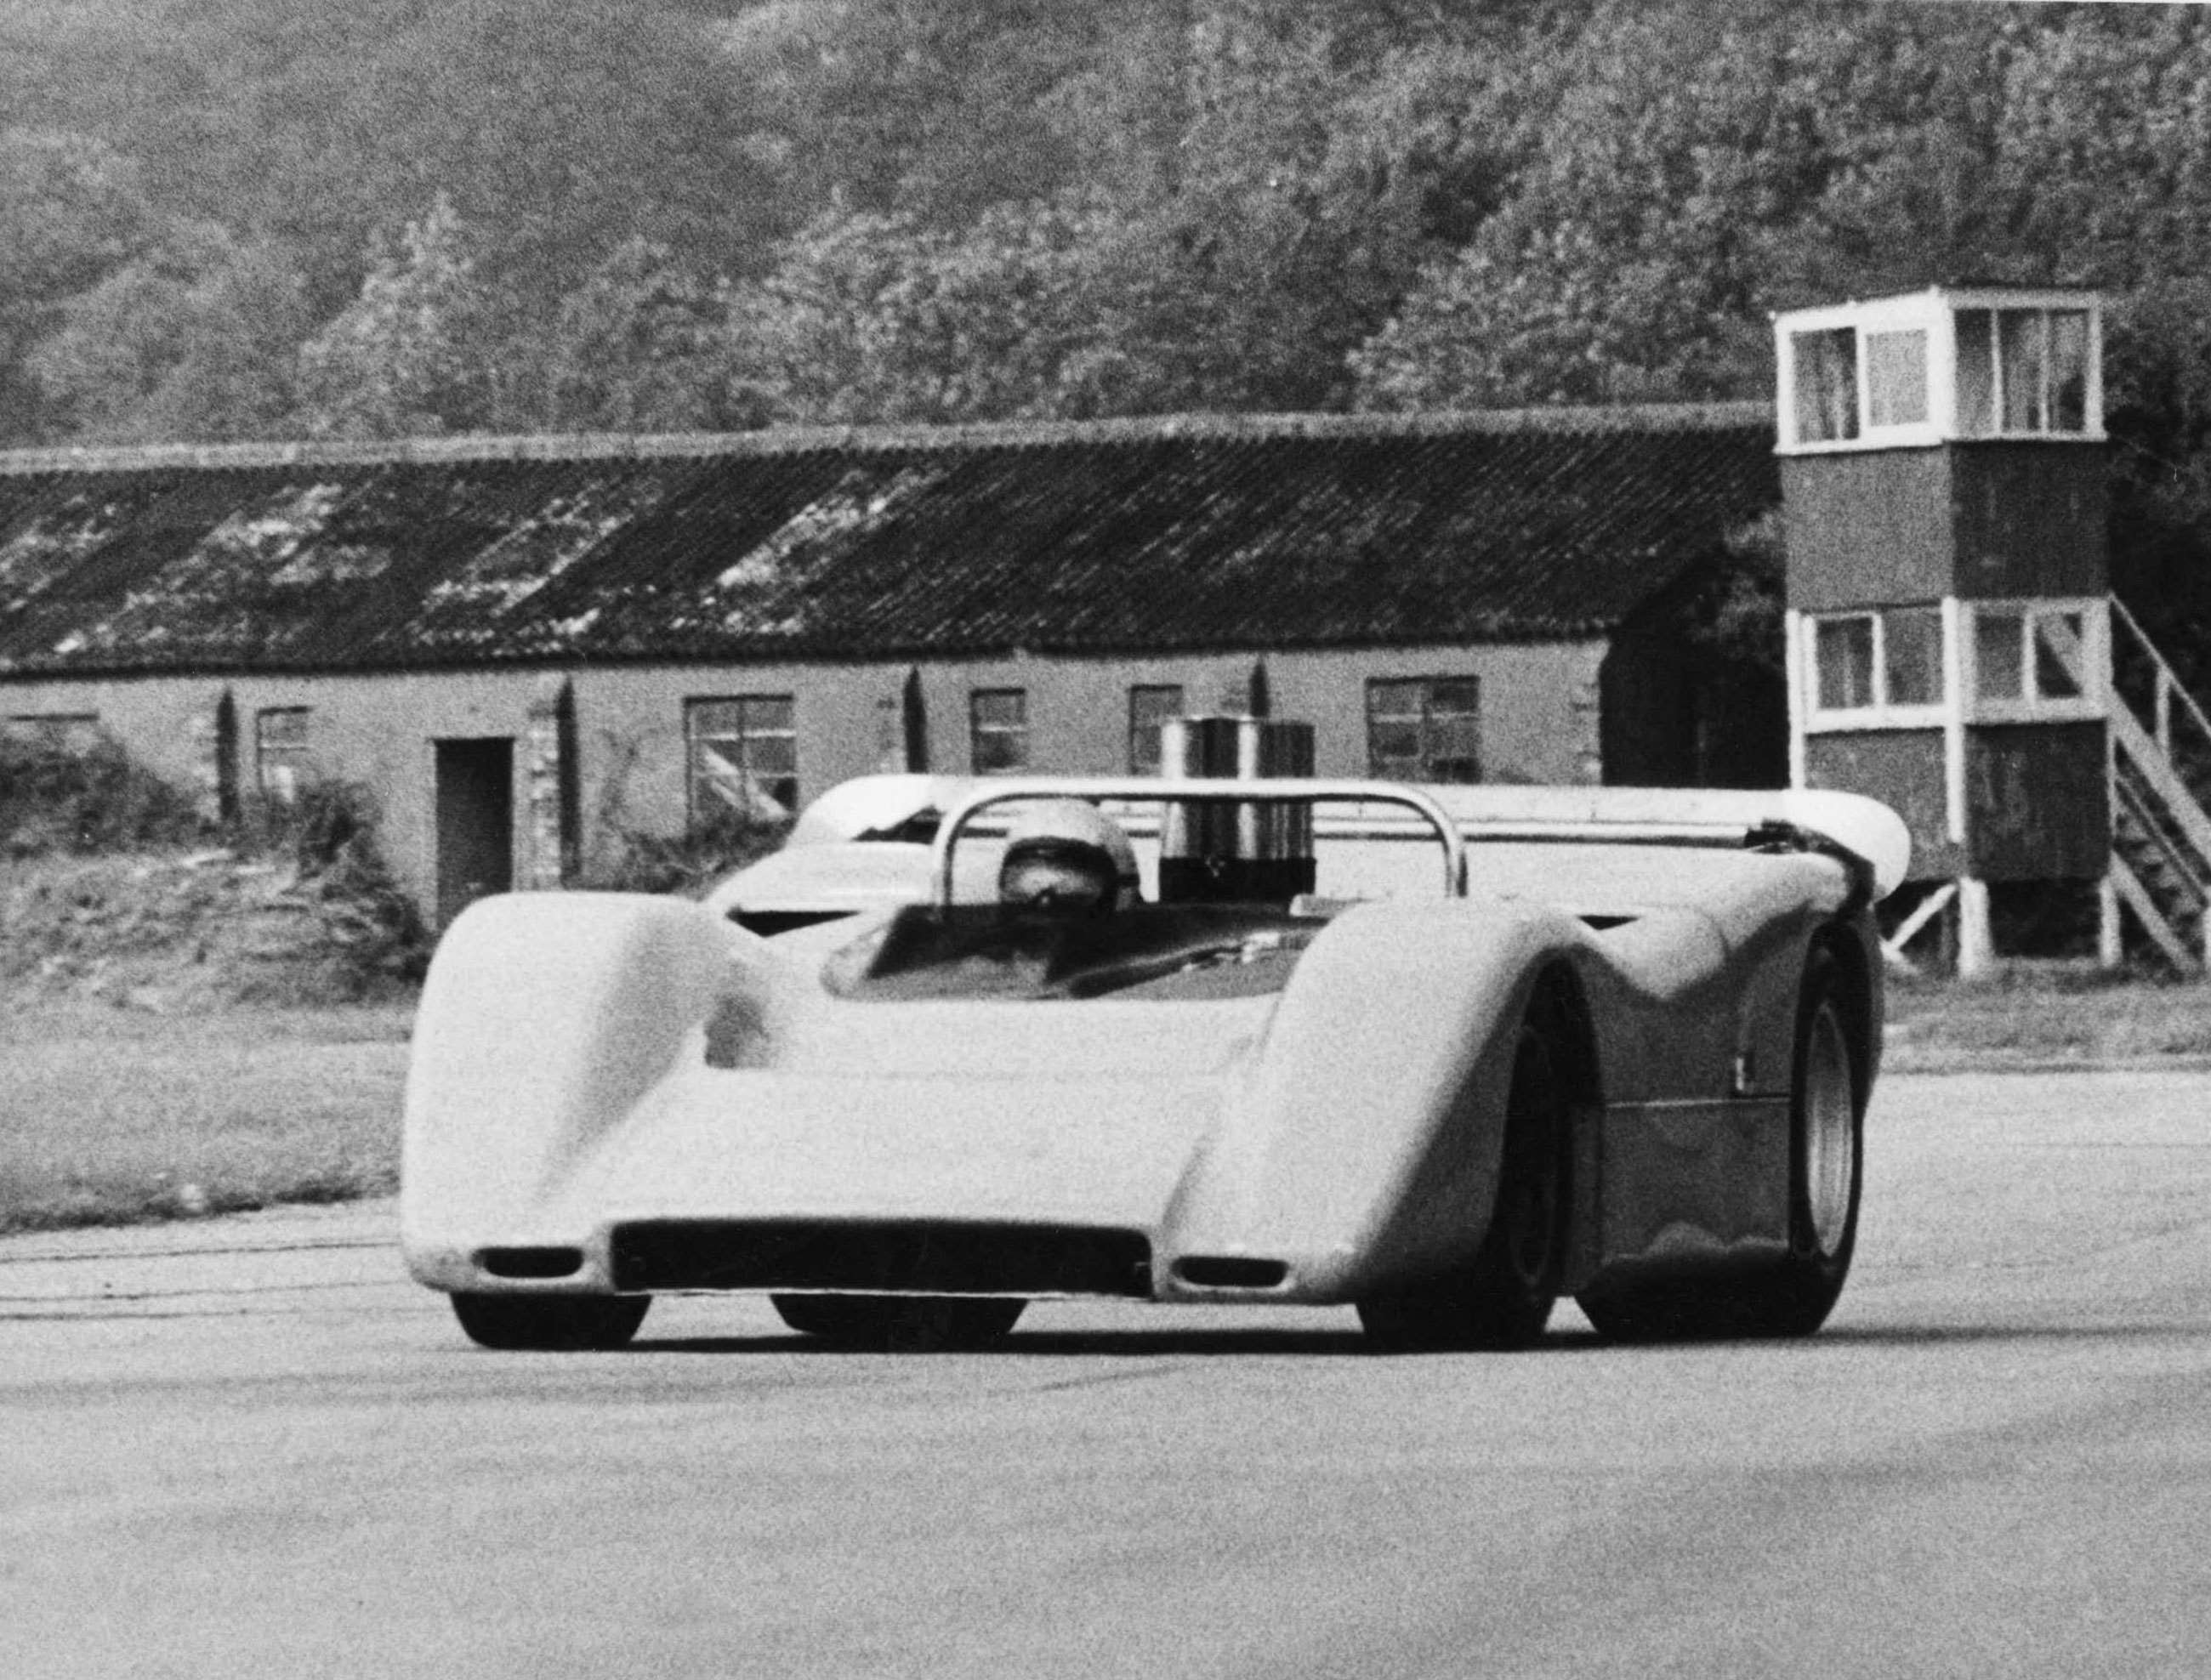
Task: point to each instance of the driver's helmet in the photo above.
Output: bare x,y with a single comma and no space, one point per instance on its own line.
1067,854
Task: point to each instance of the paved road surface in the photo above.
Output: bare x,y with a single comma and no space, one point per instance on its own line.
245,1448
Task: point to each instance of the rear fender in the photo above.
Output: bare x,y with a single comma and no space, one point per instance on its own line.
1371,1122
545,1019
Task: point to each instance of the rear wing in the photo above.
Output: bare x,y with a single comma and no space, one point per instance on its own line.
1782,818
1863,831
897,826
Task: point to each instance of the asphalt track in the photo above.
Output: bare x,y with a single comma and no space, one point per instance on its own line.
247,1448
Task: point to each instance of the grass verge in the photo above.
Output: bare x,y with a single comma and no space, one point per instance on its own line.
118,1116
2044,1018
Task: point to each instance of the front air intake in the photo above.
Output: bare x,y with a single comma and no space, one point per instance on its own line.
1229,1272
531,1262
889,1257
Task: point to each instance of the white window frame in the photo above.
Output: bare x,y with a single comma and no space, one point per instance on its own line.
2094,700
1934,312
1881,714
762,793
69,734
1425,720
282,767
1144,739
980,729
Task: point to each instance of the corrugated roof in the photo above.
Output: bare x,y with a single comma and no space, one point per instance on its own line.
1196,531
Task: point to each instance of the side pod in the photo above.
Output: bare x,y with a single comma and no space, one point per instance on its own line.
544,1018
1372,1121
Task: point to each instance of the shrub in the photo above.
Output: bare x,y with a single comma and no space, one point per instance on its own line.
92,799
686,863
328,834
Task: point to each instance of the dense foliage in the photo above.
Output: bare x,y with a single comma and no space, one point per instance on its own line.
242,218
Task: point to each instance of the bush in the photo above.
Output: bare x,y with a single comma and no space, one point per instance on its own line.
687,863
328,834
288,901
92,800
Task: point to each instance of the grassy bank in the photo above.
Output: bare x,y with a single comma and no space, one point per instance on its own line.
118,1115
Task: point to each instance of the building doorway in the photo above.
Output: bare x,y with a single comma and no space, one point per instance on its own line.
476,821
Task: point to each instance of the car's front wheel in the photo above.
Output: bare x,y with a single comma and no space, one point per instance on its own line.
1793,1295
1503,1297
901,1323
550,1323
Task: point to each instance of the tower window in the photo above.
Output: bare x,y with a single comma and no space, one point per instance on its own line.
1924,367
2032,659
1868,664
1896,379
1827,385
1912,656
2022,371
1999,668
2033,654
1843,652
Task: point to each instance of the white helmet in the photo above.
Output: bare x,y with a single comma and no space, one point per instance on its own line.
1067,854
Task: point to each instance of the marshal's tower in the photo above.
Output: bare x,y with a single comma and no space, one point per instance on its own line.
1943,473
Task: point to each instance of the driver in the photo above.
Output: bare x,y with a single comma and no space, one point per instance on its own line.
1067,856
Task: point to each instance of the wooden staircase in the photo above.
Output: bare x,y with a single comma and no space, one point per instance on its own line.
2160,751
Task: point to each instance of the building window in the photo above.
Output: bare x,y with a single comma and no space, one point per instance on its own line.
1878,662
998,731
2022,371
744,756
280,753
2035,658
68,733
1423,729
1150,705
1827,384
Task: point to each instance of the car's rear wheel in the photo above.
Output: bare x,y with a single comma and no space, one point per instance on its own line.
1826,1155
1503,1298
901,1323
550,1323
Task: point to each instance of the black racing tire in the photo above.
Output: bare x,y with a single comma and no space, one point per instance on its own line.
1826,1164
901,1323
550,1323
1502,1299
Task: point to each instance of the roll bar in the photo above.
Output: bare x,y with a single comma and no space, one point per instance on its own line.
1225,791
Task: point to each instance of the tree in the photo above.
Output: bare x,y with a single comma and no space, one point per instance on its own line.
876,319
639,347
195,340
416,352
72,213
1628,259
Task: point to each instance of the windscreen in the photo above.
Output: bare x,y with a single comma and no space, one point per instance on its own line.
991,951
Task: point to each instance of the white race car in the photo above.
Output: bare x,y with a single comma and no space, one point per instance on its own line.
1443,1054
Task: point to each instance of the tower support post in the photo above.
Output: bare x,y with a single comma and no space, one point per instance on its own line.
1977,950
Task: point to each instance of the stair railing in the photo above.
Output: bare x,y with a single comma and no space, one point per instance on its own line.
2168,699
2149,785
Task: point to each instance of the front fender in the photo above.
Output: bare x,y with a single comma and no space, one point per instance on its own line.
544,1019
1364,1142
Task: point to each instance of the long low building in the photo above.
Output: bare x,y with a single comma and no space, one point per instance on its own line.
525,649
